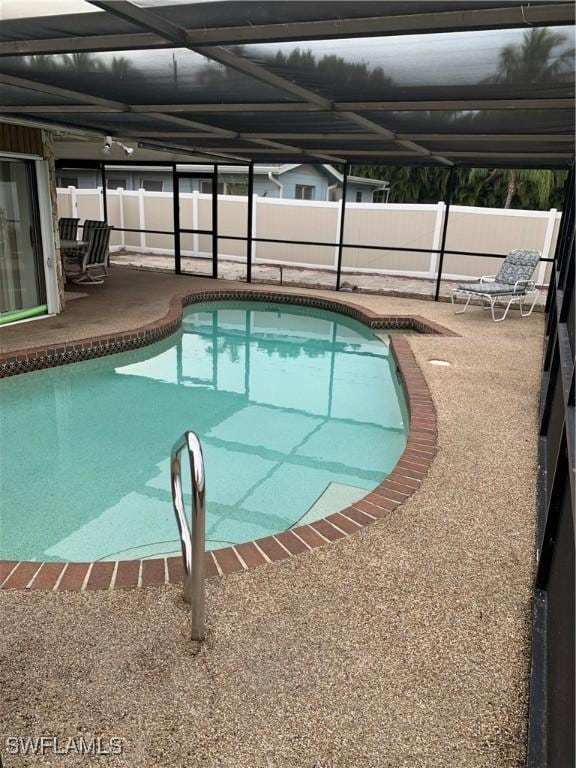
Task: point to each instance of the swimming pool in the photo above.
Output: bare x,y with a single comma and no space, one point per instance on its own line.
299,411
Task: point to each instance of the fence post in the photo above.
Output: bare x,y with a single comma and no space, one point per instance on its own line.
100,205
120,193
195,236
341,233
436,237
73,202
104,202
250,224
176,220
141,217
444,231
254,228
215,222
337,240
546,248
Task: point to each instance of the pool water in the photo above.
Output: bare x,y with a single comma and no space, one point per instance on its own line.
299,411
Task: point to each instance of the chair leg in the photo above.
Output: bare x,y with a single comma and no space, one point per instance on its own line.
461,311
493,303
87,279
527,314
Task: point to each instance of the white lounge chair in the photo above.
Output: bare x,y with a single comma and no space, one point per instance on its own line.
512,284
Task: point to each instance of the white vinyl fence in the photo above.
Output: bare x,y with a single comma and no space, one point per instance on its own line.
485,230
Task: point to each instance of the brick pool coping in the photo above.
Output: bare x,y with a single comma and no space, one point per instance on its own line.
399,485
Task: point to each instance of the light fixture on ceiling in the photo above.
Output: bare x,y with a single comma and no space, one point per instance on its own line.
109,142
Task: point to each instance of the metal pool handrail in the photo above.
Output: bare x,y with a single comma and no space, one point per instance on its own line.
192,537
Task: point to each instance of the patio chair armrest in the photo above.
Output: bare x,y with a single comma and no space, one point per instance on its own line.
525,285
487,279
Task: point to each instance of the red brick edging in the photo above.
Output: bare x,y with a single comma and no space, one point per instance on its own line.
406,477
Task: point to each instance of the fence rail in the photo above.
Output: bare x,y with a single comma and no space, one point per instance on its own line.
382,238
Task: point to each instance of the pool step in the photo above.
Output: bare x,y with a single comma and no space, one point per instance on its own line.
334,497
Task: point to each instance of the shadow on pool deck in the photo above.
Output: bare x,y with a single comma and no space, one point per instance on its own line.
404,645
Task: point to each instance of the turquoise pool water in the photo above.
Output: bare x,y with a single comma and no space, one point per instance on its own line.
299,412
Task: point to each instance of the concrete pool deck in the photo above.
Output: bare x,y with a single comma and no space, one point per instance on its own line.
301,276
405,644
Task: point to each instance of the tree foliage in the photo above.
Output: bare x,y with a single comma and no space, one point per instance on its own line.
533,189
536,60
331,68
542,57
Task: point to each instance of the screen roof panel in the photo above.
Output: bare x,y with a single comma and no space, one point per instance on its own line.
121,123
328,97
160,76
278,122
502,64
65,25
123,25
513,121
35,10
13,95
446,145
38,19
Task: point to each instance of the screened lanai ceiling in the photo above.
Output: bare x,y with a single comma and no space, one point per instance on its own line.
398,83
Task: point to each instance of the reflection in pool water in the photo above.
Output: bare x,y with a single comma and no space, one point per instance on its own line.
299,412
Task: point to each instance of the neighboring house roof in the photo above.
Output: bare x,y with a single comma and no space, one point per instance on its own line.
276,169
280,169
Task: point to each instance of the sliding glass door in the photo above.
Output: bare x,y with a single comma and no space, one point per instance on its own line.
22,280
